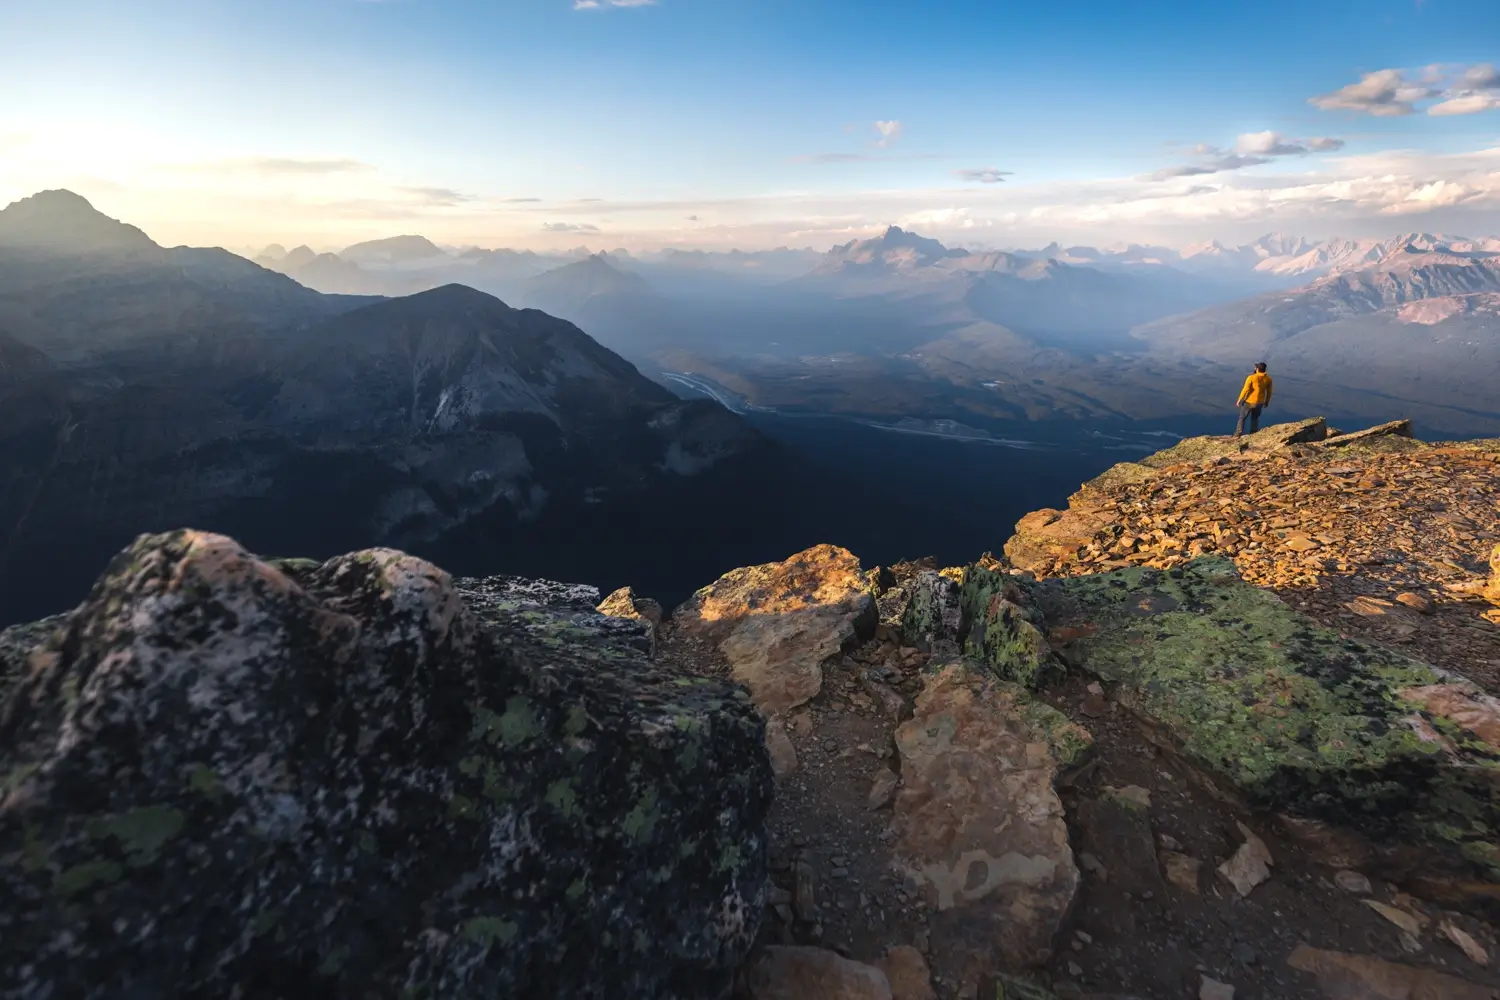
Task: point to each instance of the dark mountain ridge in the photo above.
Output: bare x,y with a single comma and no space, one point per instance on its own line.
142,387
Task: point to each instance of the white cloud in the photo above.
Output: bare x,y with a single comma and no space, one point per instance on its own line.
983,175
568,227
1467,104
1460,90
601,4
890,133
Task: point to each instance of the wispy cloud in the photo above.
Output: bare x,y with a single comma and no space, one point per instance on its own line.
890,133
568,227
602,4
983,175
1250,150
518,201
282,165
1457,90
439,196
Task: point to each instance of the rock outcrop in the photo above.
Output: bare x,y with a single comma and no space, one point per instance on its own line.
777,623
351,779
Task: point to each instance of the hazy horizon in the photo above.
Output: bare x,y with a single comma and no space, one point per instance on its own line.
641,124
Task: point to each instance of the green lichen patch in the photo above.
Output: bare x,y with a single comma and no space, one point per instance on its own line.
1003,629
1290,714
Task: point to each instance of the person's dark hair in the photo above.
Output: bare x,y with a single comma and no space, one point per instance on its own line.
1260,366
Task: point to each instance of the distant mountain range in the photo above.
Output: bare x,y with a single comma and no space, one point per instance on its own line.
145,388
1134,330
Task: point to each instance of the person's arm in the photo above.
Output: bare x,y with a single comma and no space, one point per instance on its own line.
1244,390
1268,392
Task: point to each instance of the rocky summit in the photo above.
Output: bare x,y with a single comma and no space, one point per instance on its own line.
1226,726
228,777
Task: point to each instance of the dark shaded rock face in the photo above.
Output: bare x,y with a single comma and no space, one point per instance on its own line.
228,777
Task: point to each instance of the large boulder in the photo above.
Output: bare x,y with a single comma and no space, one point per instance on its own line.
978,825
223,777
1289,716
776,623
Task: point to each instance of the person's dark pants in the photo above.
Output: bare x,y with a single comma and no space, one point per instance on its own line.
1253,412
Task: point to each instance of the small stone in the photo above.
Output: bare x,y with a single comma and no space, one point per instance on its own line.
1168,842
1084,936
1243,953
1212,989
1250,865
1092,865
1181,870
1352,881
1134,794
783,754
1408,923
1075,970
1465,942
1417,602
908,974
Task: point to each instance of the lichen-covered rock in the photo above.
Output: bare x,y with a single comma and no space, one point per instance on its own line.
16,644
1287,715
933,612
776,623
978,824
220,778
1267,439
1004,629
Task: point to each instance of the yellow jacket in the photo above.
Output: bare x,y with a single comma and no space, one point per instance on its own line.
1257,390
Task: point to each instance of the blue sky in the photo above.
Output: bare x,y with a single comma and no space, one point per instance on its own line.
754,122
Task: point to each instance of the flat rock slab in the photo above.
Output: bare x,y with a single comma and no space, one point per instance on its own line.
1286,715
978,825
776,623
1343,976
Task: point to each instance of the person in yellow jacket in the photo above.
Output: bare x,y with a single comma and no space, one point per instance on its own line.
1254,397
